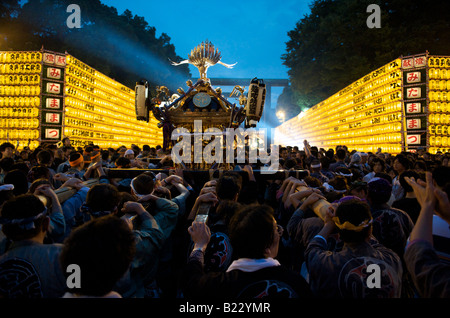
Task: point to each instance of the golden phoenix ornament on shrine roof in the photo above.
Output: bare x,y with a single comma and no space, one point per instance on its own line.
203,56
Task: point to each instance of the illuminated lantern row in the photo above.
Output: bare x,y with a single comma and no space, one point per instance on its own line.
401,106
46,96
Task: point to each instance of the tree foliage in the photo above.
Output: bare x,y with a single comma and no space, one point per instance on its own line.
332,46
121,46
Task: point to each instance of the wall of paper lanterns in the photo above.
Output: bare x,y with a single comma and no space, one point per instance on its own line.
45,96
401,106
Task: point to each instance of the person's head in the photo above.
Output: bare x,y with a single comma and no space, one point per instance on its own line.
76,161
420,166
123,162
441,175
24,217
6,164
284,153
254,232
409,174
38,172
340,154
102,199
141,185
315,166
228,187
344,172
358,189
226,210
44,157
19,179
353,219
379,191
377,165
38,182
66,142
401,163
7,150
129,154
103,248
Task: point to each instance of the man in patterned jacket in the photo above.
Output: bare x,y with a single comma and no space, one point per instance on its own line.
363,268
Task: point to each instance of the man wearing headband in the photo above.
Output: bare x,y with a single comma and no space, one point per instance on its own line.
29,268
76,162
347,273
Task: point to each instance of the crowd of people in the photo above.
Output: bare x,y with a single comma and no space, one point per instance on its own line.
385,232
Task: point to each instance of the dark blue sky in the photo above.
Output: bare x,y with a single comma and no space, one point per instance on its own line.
252,33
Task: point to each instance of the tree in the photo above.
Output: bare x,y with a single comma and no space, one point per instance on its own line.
332,46
123,47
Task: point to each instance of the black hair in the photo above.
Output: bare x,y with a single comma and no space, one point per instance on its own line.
102,197
21,207
355,212
227,187
143,184
404,161
103,248
403,183
19,179
341,153
252,231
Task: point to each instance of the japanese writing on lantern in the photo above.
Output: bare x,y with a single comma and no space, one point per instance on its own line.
414,92
53,118
49,58
53,103
51,133
413,77
53,72
420,61
60,60
413,123
413,108
53,88
408,63
413,139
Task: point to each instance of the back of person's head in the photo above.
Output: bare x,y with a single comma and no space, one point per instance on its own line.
19,179
6,164
228,187
102,199
252,231
36,183
353,219
290,163
44,157
379,190
226,210
22,217
123,162
142,184
38,172
340,154
75,159
312,182
339,183
409,174
441,175
325,162
103,248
